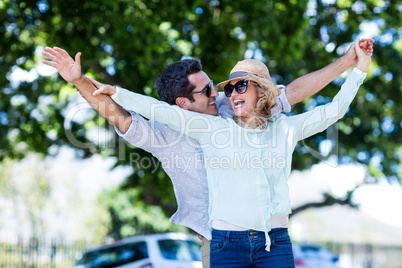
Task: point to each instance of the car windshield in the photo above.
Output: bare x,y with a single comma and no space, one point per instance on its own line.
113,256
181,250
309,249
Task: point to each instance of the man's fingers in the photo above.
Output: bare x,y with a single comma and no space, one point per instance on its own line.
50,63
78,59
362,49
364,45
62,52
368,48
370,40
50,56
56,53
49,49
367,40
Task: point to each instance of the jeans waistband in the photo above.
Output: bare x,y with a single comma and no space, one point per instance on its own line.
249,234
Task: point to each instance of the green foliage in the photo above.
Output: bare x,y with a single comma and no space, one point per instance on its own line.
132,215
130,42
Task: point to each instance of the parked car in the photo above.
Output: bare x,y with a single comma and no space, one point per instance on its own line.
309,255
148,251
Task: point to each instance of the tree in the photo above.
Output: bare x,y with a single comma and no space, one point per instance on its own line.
28,193
129,43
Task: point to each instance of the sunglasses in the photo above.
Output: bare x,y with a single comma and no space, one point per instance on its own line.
240,87
207,89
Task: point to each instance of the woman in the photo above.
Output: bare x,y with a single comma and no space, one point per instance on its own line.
248,160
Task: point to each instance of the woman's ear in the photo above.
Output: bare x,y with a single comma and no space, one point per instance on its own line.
182,102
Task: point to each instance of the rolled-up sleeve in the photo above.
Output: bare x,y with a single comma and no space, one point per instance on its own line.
281,103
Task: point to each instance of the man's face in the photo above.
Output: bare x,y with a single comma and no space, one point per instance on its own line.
202,103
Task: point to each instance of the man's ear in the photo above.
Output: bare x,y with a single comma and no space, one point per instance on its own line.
183,102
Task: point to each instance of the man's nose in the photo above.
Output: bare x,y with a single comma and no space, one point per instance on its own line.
214,92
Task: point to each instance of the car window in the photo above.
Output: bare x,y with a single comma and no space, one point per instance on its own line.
181,250
113,256
310,248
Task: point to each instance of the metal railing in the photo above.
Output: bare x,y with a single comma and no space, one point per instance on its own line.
39,252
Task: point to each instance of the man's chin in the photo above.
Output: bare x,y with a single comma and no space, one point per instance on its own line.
212,112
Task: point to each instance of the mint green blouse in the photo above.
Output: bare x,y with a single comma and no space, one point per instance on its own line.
247,169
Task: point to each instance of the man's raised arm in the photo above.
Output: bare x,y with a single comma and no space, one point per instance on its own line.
70,70
309,84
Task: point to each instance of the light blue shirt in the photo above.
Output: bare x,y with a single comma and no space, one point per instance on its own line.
182,159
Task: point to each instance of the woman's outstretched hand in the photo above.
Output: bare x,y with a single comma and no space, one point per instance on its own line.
102,88
363,57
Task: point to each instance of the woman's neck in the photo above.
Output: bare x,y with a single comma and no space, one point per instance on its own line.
249,122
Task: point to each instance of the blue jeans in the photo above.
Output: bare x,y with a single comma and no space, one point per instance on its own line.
247,249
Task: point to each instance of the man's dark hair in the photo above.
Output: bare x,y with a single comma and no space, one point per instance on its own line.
174,83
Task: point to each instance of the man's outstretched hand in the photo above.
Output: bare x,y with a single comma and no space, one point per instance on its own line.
366,46
69,69
363,57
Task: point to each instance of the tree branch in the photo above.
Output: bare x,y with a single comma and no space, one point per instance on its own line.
329,200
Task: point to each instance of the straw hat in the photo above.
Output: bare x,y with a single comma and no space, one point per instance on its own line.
252,70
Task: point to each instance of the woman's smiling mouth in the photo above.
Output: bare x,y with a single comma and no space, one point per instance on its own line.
238,103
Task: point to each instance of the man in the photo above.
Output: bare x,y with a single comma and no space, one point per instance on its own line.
186,85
